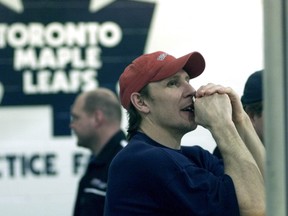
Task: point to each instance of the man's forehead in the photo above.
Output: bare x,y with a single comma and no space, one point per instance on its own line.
179,74
78,103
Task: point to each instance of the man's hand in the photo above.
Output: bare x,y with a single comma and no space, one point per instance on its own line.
212,110
238,113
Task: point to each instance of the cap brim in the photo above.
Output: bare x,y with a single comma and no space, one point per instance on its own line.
193,63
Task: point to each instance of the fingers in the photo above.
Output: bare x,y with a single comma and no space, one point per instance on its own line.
212,110
211,88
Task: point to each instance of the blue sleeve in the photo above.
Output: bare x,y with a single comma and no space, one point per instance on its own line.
203,158
202,189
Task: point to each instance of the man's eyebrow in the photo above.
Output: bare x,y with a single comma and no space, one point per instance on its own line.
175,76
74,115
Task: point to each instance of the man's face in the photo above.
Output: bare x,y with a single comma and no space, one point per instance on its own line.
82,123
171,105
258,123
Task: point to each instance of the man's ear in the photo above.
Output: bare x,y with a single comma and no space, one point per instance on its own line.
98,117
138,102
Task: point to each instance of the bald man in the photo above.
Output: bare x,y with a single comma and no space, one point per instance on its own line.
96,121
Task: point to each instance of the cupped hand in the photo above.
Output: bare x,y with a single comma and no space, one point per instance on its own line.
238,113
213,110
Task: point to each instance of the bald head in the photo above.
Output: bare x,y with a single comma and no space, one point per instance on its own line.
105,100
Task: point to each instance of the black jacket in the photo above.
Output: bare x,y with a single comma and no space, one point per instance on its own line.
92,187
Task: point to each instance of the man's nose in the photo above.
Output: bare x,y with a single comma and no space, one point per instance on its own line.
190,91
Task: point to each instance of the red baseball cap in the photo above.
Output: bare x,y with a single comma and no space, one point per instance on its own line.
155,67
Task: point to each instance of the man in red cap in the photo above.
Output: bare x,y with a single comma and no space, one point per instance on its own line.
154,174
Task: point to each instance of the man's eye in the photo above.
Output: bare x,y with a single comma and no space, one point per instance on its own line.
73,118
172,83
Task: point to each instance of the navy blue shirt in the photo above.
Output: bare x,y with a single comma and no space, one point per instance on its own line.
93,185
147,178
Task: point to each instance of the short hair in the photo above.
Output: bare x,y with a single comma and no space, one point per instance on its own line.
134,118
106,100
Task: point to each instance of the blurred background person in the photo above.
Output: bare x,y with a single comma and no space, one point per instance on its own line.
252,101
96,121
